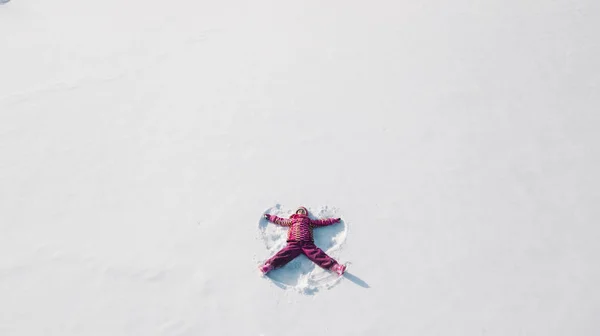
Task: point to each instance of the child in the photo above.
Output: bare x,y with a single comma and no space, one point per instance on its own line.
300,240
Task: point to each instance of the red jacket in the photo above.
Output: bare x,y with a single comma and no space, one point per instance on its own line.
301,226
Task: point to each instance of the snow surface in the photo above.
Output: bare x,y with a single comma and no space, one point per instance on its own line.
141,141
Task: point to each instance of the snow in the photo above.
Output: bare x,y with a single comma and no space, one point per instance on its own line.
141,141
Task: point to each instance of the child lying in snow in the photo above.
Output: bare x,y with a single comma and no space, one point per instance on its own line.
300,240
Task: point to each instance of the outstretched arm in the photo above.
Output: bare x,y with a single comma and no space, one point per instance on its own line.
278,220
325,221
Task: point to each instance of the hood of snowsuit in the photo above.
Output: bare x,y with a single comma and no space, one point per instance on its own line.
299,215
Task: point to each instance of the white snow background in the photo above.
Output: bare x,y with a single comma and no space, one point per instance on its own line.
141,142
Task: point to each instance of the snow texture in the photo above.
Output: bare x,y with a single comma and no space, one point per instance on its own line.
302,274
141,141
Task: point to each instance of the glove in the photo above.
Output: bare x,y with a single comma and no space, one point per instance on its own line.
267,216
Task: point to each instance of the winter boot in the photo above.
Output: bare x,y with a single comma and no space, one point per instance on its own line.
339,269
266,268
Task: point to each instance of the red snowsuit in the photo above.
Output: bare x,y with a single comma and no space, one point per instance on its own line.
300,240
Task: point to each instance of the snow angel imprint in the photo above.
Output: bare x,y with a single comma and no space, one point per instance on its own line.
300,241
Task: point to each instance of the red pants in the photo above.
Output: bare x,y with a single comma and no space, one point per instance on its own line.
295,248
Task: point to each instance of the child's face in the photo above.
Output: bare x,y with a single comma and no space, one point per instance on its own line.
301,212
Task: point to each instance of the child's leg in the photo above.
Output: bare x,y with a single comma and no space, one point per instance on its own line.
317,255
285,255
